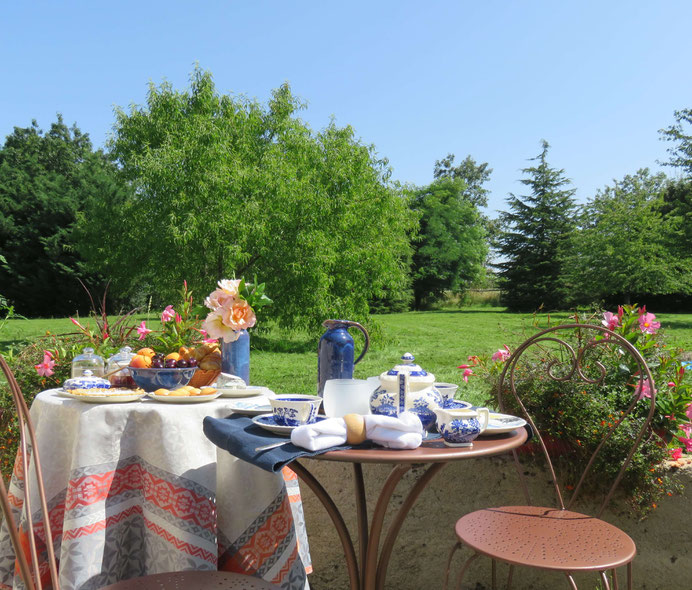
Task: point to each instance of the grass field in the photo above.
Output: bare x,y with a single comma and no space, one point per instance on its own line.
440,340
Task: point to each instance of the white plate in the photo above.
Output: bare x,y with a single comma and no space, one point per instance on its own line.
184,399
250,407
502,423
266,421
240,391
120,396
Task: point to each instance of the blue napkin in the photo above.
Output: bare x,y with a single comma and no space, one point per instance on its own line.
240,436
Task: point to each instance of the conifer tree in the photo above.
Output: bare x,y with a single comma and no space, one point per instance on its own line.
533,237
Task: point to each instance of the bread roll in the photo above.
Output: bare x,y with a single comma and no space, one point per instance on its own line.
355,429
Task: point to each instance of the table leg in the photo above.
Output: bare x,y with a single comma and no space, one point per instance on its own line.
337,519
395,525
378,520
362,516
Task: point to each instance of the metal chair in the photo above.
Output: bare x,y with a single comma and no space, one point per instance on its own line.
557,538
34,575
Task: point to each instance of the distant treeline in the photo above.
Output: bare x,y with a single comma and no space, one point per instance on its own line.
200,186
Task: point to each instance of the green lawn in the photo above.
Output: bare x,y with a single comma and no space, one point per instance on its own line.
440,340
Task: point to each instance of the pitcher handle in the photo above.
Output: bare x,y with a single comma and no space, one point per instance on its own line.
365,333
484,414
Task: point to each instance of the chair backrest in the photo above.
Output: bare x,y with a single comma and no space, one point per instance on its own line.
28,565
591,364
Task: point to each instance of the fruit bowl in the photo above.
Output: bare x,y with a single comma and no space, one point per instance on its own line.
153,379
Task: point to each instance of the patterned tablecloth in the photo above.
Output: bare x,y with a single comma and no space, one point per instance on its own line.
136,488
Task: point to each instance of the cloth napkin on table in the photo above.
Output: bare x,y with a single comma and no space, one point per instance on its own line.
404,432
240,436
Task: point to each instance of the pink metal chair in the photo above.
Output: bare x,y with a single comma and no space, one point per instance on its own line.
557,538
28,564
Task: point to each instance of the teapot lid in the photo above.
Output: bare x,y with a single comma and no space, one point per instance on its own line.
408,366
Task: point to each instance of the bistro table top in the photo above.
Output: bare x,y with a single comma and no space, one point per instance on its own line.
431,451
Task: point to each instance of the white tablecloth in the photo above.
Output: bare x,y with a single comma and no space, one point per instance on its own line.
136,488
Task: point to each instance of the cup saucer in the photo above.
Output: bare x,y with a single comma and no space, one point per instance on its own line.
267,422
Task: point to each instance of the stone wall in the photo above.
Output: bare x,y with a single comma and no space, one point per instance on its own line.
664,538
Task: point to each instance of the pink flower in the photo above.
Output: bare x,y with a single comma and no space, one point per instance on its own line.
610,320
502,355
687,442
463,366
178,319
142,330
467,374
647,323
76,323
675,454
474,359
688,411
686,428
205,337
168,314
45,368
644,389
219,298
671,383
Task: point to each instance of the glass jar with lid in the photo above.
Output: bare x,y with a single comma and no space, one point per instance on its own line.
116,369
87,361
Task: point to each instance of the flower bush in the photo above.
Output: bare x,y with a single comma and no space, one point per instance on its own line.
574,416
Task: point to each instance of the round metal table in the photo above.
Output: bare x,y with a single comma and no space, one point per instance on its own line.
368,570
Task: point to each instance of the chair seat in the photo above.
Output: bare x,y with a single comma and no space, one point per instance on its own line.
193,580
547,538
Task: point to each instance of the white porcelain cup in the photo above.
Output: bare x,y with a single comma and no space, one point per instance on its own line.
347,396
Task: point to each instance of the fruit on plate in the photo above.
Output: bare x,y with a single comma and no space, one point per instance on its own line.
186,391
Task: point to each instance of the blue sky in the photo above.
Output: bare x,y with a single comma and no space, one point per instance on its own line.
417,79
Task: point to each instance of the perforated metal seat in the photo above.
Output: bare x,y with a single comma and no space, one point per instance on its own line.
546,538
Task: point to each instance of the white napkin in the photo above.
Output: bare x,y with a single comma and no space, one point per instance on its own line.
404,432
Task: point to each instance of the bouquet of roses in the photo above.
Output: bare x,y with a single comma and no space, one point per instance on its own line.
233,306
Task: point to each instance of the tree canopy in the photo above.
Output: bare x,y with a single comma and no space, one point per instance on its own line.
622,247
450,248
46,179
227,187
533,237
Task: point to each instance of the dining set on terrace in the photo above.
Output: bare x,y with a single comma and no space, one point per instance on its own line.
165,485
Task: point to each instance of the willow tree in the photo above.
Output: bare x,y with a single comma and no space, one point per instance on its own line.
225,186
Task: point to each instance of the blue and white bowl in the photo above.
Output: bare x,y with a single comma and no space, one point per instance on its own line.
153,379
86,381
295,409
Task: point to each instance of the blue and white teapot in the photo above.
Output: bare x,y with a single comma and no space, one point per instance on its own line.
407,388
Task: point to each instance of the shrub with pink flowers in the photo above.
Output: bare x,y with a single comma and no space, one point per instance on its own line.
575,415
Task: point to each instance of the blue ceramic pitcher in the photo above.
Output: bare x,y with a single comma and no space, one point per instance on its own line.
335,352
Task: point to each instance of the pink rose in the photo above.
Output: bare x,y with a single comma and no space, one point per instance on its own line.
219,298
240,316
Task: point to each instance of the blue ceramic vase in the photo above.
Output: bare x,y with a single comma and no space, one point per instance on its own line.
235,357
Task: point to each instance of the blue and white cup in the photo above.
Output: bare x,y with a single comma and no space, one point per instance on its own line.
448,391
295,409
459,427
